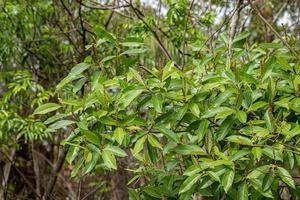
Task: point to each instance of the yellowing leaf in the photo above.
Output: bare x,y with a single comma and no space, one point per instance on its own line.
109,160
119,135
239,139
153,141
242,116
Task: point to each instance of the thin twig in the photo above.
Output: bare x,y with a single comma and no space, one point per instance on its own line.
54,173
259,14
233,26
22,175
140,16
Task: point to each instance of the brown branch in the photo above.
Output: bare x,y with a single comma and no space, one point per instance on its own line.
233,25
109,18
226,21
82,26
63,179
58,166
36,170
185,31
140,16
259,14
90,193
22,175
106,7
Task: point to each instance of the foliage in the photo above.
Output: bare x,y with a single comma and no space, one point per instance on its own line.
214,128
195,111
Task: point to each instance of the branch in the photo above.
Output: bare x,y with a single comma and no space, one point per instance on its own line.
219,29
185,30
280,12
140,16
233,25
108,7
54,173
22,175
259,14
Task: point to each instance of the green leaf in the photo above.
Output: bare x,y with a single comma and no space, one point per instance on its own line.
136,75
119,135
239,139
131,44
134,51
257,105
224,128
290,158
78,69
268,181
91,137
46,108
241,36
79,84
77,167
129,96
133,194
151,191
243,191
273,153
257,184
189,149
269,120
169,134
72,153
219,110
139,145
157,103
257,152
239,154
200,132
242,116
54,118
193,169
75,71
189,182
60,124
195,109
153,141
214,176
227,180
115,150
286,177
294,132
108,58
258,172
90,166
134,179
109,160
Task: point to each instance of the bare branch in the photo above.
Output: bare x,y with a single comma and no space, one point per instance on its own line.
259,14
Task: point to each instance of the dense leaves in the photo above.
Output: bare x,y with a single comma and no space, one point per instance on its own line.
192,119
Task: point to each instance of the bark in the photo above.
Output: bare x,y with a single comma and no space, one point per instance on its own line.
6,172
54,173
